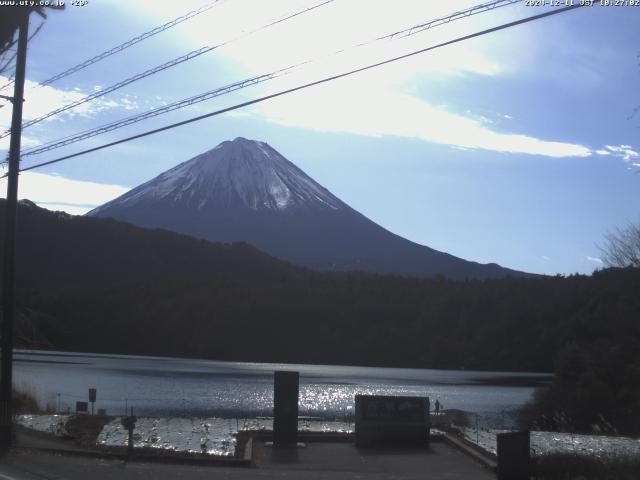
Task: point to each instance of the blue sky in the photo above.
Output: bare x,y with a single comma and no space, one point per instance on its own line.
515,148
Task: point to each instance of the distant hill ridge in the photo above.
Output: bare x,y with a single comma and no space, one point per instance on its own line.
54,248
99,285
244,190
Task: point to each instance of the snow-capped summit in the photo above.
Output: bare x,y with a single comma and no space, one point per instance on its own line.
244,190
236,173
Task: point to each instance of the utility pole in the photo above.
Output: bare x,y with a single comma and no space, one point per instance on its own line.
8,286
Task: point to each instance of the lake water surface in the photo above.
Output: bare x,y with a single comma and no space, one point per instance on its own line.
160,386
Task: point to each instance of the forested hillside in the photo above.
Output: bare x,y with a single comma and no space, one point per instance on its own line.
100,285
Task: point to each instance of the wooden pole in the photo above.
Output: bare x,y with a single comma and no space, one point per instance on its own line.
8,274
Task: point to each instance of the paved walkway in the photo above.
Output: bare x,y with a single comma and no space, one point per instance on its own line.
443,463
440,461
317,461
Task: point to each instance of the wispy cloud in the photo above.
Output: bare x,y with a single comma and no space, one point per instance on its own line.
380,103
347,107
626,152
25,141
55,192
313,40
595,260
42,100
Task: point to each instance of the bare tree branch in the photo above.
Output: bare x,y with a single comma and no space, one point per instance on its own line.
622,247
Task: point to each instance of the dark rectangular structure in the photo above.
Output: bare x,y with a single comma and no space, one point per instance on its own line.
513,455
390,421
82,407
285,408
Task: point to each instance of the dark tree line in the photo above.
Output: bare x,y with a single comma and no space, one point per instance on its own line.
101,285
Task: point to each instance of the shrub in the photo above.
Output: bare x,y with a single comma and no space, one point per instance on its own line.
595,390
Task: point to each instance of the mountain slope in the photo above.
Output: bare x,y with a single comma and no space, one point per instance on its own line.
244,190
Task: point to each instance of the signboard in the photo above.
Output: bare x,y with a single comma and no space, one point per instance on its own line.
82,407
92,395
390,421
394,409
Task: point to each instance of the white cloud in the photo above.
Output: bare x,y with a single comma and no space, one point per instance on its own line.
348,107
595,260
544,257
270,48
374,103
59,193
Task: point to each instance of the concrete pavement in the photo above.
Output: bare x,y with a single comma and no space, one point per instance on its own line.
44,457
19,466
317,461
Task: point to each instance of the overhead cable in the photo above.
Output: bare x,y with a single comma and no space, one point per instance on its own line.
307,85
172,63
64,141
127,44
158,111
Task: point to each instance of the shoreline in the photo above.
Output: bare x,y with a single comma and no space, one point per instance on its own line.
81,433
114,355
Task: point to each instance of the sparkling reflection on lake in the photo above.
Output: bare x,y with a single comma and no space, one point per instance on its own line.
160,386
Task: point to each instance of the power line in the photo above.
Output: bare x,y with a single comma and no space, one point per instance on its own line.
176,61
5,53
172,63
159,111
481,8
127,44
307,85
13,56
252,81
6,64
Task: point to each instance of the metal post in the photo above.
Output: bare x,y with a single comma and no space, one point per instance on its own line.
130,441
8,298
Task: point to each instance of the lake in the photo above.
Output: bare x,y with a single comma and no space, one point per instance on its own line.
160,386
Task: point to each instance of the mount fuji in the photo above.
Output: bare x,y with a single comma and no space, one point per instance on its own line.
244,190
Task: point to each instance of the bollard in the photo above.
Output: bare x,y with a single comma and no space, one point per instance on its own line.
513,455
477,431
129,423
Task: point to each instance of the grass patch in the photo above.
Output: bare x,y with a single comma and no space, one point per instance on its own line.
24,401
569,466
